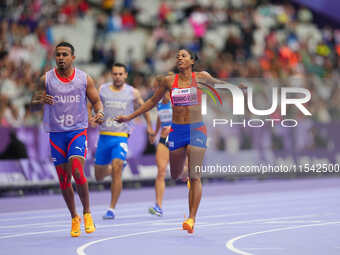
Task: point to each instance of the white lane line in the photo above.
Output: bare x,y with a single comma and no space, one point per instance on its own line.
100,227
258,220
45,224
262,249
118,225
171,221
183,205
149,222
63,212
292,222
56,223
31,233
95,211
218,215
123,206
2,234
133,206
81,249
173,202
53,223
230,244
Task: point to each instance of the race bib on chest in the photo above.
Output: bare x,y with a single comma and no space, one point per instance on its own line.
165,115
185,96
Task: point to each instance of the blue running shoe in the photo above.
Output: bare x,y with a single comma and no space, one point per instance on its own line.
109,215
124,164
156,210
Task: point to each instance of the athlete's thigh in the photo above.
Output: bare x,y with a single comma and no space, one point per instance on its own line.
119,150
195,160
101,168
58,144
162,156
77,144
117,167
177,160
101,171
179,138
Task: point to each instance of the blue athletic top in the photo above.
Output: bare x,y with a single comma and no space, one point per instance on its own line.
164,113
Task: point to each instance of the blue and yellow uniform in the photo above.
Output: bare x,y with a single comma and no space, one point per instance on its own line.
113,137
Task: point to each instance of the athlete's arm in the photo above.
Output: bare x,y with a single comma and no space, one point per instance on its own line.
204,78
93,96
89,113
162,87
152,137
138,101
40,97
158,125
92,123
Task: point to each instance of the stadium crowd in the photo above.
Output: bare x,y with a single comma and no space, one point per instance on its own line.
280,43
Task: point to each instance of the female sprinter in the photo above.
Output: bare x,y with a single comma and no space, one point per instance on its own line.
164,119
188,133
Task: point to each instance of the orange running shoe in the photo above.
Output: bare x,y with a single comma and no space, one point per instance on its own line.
188,225
75,230
188,183
88,222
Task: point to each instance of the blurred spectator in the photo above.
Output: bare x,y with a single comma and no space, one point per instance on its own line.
108,6
128,19
164,12
199,22
69,11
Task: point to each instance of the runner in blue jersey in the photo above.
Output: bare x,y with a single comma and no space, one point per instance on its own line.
163,125
118,98
63,92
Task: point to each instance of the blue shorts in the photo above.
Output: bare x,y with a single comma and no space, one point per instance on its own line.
111,147
181,135
67,144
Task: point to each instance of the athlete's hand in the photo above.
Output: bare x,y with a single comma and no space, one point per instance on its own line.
122,118
151,135
43,98
98,118
152,138
47,99
92,123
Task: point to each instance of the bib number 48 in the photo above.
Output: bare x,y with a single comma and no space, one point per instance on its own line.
66,120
